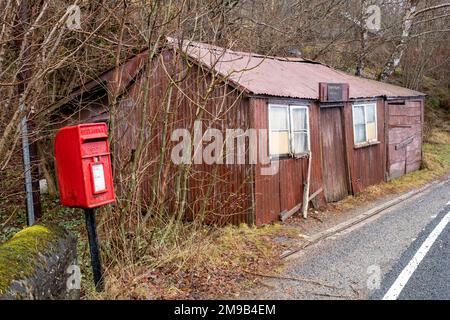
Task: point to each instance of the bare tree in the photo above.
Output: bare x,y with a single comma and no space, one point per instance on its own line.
410,14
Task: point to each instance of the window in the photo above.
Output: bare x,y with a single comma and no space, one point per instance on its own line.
279,130
365,123
288,130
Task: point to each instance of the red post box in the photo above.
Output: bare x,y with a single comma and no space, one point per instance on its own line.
83,166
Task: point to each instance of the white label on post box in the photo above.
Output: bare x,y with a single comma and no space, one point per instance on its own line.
99,177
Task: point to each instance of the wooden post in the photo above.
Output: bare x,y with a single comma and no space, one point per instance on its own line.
306,190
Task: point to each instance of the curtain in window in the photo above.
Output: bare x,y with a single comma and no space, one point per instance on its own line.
359,124
279,142
370,123
298,119
300,142
279,130
365,123
279,118
299,130
288,129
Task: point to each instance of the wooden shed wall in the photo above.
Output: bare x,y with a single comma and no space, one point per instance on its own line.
367,164
404,125
284,190
221,193
153,106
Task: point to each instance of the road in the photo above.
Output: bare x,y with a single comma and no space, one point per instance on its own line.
401,253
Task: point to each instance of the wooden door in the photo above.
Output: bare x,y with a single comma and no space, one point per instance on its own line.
333,154
405,138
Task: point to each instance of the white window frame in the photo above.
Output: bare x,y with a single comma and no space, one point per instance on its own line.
365,105
290,129
285,106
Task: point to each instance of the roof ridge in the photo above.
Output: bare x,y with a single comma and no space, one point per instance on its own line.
203,45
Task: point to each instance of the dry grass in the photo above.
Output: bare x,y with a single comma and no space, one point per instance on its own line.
438,137
204,263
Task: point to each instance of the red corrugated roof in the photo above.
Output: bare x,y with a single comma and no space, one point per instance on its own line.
284,77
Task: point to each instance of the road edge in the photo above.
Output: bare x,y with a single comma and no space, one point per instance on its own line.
362,217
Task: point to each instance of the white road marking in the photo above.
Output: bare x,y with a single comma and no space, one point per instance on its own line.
397,287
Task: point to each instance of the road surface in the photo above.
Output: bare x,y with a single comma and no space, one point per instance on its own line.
402,253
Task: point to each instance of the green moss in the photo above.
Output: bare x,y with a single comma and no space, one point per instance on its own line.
19,256
398,71
433,102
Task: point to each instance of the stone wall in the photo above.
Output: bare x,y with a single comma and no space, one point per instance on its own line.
35,262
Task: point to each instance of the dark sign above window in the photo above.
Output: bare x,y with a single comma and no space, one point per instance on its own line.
333,92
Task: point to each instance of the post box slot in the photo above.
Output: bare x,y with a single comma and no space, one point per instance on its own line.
93,139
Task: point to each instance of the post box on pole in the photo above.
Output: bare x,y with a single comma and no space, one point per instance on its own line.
83,166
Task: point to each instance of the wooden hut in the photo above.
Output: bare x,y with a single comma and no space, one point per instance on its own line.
359,132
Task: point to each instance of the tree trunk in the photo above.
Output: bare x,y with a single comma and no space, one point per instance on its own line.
364,37
396,56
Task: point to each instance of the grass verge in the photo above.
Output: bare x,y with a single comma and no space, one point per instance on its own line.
436,164
202,263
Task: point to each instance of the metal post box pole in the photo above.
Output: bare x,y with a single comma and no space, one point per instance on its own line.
94,249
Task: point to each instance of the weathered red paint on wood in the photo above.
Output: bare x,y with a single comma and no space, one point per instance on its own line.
218,193
284,190
366,164
335,175
405,123
235,193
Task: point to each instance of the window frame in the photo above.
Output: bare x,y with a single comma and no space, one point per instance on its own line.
285,106
365,105
290,130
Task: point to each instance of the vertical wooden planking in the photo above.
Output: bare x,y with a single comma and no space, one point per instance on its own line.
316,149
334,160
238,192
349,147
405,137
366,164
284,190
225,186
267,201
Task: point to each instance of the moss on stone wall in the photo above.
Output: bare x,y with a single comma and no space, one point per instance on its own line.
19,257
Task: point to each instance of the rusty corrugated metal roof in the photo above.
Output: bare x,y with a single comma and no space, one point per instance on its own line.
284,77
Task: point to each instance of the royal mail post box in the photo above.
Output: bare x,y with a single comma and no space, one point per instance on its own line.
83,166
